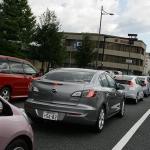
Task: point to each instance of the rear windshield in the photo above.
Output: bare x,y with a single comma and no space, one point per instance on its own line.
69,76
143,79
123,79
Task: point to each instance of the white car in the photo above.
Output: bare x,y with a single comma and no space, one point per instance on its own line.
146,85
133,89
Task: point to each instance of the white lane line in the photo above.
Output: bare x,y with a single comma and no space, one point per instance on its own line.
130,133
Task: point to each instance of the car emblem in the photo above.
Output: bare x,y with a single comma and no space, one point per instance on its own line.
54,91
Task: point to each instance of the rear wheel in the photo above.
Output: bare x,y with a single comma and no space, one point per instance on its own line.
100,121
18,144
122,110
5,93
136,100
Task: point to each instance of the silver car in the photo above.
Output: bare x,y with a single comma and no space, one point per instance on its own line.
82,96
146,85
133,88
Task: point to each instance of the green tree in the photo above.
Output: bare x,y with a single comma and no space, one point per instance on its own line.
85,52
49,40
17,25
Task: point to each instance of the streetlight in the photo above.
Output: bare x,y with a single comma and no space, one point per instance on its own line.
103,12
132,38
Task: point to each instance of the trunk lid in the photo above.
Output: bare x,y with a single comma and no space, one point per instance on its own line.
57,92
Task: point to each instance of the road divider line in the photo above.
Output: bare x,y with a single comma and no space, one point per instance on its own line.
124,140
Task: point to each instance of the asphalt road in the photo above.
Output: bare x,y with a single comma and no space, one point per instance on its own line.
58,136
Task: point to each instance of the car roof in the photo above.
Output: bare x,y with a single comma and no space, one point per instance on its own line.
14,59
81,69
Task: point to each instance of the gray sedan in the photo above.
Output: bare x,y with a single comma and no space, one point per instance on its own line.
76,95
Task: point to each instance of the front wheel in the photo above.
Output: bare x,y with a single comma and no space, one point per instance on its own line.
5,93
18,144
100,121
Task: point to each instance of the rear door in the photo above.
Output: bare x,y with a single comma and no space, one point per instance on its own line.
109,92
116,97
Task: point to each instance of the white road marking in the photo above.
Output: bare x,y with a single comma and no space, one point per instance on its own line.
124,140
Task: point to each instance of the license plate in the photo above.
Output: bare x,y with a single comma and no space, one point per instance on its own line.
50,115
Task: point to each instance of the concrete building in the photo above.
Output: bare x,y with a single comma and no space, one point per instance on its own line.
117,52
147,64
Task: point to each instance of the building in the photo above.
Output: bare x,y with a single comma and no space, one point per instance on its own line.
114,53
147,64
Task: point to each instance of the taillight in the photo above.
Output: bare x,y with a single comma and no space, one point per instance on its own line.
86,93
89,93
130,83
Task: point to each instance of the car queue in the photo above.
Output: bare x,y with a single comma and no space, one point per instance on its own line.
83,96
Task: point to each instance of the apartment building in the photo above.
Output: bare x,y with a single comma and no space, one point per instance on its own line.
114,53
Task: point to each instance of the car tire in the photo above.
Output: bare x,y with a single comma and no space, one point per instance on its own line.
100,120
122,110
18,144
5,93
136,99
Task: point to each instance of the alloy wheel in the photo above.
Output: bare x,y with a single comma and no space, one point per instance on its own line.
5,93
101,119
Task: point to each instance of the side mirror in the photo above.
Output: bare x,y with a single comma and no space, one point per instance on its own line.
1,107
120,87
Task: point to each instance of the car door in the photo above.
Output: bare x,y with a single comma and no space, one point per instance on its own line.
116,97
30,73
17,78
109,93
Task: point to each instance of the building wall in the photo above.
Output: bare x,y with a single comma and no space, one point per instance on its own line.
116,52
147,64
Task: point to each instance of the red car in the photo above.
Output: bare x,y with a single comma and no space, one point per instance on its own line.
15,77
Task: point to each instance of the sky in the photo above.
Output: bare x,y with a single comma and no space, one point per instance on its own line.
130,16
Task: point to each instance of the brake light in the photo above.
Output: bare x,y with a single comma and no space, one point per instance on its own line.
86,93
130,83
89,93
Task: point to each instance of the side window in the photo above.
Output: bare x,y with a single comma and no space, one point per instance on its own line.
100,81
16,67
104,82
111,81
4,66
28,69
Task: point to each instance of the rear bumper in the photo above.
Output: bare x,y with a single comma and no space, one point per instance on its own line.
81,114
133,95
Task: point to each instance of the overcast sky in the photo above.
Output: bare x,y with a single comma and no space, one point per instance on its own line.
131,16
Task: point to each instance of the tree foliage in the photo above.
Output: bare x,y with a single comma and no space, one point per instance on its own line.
17,25
49,40
85,52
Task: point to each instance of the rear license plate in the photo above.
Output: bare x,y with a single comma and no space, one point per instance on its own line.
50,115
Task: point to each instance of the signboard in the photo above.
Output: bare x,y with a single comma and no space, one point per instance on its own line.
129,61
